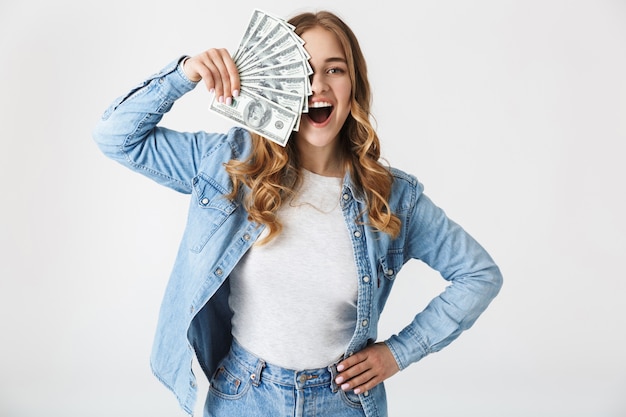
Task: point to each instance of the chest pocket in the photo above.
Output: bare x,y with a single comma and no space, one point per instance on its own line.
390,265
210,209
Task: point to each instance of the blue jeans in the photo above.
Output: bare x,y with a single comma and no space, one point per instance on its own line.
246,386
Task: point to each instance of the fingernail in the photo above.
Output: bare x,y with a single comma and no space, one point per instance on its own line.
235,93
340,368
212,90
357,390
220,99
345,386
339,380
229,101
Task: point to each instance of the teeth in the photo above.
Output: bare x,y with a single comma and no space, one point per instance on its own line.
320,104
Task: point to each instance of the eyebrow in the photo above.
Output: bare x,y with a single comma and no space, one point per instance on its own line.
336,59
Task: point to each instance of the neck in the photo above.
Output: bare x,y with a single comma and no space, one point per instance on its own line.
326,167
324,161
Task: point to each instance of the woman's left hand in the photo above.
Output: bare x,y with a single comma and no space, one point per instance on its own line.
367,368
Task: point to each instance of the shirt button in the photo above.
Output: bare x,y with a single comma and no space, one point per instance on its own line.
389,272
219,271
366,279
345,196
364,323
366,393
205,201
303,378
246,237
357,234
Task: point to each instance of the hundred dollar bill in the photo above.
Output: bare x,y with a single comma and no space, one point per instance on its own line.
293,53
252,24
296,85
259,115
289,101
280,37
292,69
263,27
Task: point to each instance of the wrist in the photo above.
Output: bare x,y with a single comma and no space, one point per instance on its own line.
186,73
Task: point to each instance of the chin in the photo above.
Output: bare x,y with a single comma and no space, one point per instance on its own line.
317,139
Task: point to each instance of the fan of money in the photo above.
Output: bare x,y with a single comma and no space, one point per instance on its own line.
274,70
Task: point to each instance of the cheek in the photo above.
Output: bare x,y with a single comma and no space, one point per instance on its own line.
347,93
344,96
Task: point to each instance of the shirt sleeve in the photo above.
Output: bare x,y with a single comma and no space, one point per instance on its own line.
129,131
474,279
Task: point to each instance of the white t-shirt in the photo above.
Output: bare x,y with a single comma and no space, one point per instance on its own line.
294,298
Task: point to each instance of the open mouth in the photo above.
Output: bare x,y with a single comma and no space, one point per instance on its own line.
320,112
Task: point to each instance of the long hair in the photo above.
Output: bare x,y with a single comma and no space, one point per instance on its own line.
272,172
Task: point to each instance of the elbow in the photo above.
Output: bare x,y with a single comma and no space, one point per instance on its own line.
108,141
494,281
485,285
498,278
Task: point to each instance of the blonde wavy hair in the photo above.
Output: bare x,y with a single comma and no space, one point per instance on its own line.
272,172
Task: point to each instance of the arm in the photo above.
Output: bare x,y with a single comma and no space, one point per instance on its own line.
474,278
475,281
129,130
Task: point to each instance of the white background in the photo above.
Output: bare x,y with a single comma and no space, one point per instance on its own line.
512,113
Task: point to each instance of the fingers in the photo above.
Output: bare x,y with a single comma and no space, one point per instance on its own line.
216,68
223,74
360,374
366,369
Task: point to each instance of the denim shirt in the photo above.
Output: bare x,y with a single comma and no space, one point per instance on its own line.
195,316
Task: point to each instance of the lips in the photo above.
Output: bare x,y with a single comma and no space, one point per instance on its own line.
319,112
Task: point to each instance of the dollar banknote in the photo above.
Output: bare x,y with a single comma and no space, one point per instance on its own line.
274,71
289,101
295,85
292,53
259,115
280,37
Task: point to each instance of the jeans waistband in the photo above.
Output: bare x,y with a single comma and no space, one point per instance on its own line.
261,370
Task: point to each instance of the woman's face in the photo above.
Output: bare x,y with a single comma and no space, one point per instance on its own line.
329,104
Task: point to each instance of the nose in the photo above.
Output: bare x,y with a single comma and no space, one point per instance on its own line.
318,85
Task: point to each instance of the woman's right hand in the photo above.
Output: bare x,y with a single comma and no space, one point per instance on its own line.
218,71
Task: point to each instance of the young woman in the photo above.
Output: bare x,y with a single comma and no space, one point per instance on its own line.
290,252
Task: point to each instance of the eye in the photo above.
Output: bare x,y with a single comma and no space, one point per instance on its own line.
335,70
